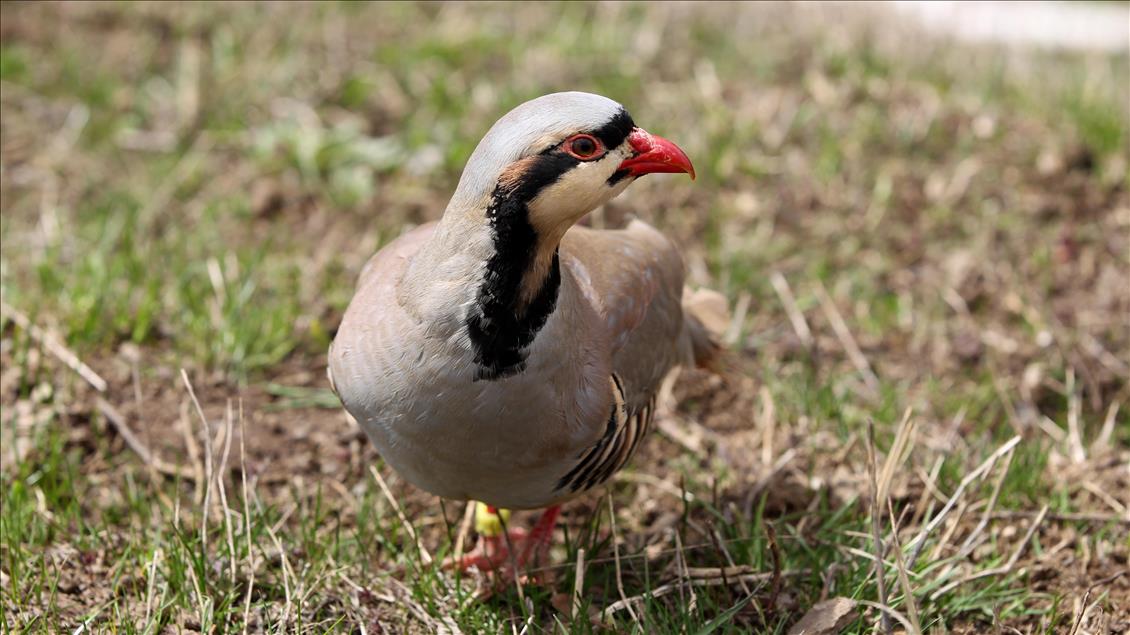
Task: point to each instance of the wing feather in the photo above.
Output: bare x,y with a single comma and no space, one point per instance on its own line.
634,279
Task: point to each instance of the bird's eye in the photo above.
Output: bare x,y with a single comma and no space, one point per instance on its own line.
583,146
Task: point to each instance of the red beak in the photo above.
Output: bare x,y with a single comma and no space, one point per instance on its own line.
655,154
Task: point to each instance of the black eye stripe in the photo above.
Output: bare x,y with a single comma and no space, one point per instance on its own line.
611,134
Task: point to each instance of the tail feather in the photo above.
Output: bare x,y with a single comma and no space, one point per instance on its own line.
705,319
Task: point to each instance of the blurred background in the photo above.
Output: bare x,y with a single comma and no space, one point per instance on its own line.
918,212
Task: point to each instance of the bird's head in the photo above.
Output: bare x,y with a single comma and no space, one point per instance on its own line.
558,157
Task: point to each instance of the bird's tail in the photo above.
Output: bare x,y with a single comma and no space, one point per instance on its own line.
705,319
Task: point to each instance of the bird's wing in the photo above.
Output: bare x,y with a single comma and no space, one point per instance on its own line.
634,279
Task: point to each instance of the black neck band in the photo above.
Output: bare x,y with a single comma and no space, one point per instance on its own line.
501,331
499,328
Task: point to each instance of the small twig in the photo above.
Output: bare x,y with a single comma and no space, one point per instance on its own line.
193,454
889,612
740,309
642,556
970,541
880,575
681,567
151,586
870,557
246,520
1105,497
209,470
118,420
929,488
464,530
775,554
796,318
904,579
285,516
1078,621
951,529
1064,517
1074,434
1002,570
671,587
920,540
55,347
1051,429
287,571
854,353
1102,441
904,440
578,584
616,556
198,589
228,424
424,555
827,580
671,429
721,546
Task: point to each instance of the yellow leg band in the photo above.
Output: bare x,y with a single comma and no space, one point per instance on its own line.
488,522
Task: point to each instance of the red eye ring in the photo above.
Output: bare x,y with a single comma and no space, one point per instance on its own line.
583,147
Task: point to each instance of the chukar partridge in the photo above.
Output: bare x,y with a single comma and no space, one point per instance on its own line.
504,355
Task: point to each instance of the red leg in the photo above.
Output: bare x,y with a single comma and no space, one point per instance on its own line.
541,536
507,553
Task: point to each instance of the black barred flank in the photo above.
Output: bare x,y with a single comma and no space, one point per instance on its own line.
615,447
589,456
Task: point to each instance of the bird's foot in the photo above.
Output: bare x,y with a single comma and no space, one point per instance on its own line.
493,553
507,554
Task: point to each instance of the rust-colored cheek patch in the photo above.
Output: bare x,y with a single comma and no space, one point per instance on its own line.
513,174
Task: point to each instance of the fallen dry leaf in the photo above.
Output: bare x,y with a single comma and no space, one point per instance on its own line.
826,618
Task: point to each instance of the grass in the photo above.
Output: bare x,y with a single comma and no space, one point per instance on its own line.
197,187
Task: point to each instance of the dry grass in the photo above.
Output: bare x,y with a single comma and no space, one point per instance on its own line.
928,241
